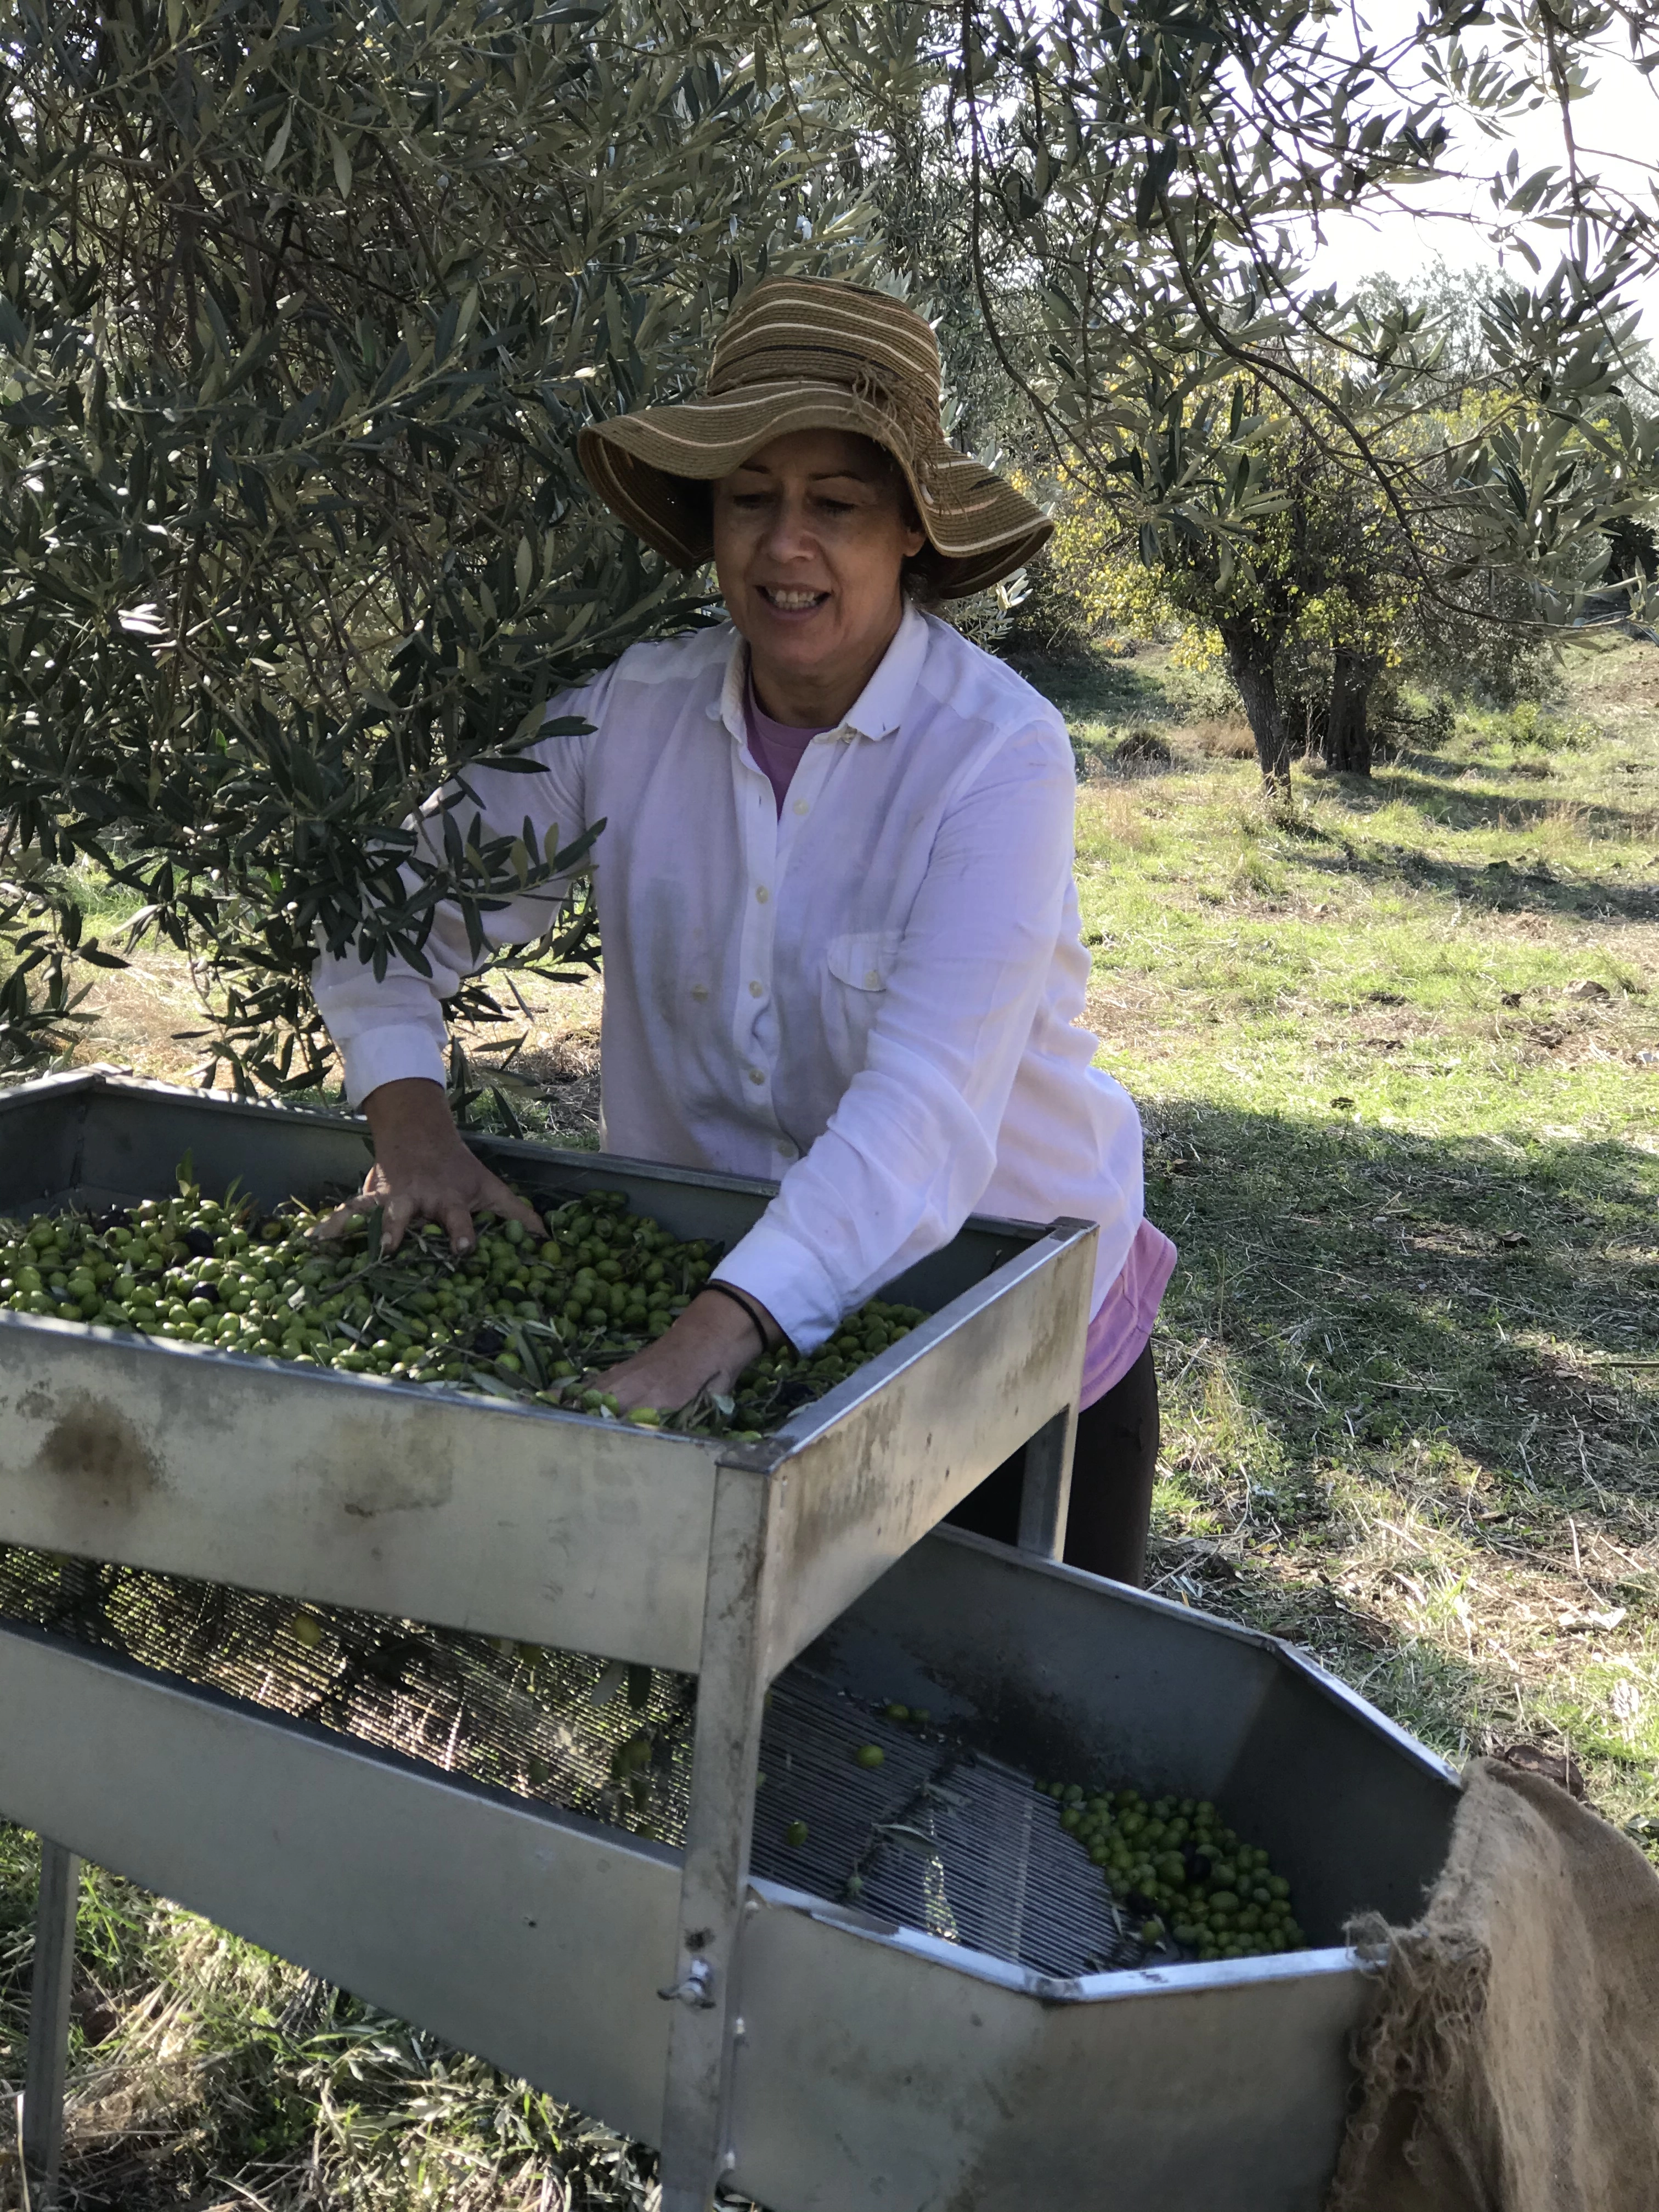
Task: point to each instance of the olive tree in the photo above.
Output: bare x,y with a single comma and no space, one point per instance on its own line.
302,304
1137,192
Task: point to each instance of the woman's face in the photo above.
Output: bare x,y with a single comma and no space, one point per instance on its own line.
810,537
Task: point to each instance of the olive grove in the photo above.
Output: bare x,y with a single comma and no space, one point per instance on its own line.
1137,196
302,303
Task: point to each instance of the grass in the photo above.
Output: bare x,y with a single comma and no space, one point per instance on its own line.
1397,1053
205,2074
1398,1057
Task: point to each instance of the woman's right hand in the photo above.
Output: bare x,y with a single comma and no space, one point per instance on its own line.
422,1171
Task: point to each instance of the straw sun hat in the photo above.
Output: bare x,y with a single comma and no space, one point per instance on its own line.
809,354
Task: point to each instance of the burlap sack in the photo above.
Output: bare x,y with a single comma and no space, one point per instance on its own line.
1513,2062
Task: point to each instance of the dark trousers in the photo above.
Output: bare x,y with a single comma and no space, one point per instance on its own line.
1112,1475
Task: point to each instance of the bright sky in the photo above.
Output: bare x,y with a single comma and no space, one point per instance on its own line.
1616,125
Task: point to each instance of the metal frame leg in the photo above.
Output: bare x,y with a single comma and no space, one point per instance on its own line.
726,1753
49,2021
1046,1491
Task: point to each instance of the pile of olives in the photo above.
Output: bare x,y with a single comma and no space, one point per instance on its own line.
519,1317
1194,1883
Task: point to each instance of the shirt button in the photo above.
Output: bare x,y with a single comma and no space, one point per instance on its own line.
786,1149
762,893
757,990
873,979
801,807
700,990
756,1075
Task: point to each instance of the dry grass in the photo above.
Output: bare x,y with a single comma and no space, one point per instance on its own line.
1220,736
206,2075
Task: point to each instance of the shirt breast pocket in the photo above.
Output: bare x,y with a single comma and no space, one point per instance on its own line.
857,967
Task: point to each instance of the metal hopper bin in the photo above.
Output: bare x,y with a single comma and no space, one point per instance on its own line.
845,1988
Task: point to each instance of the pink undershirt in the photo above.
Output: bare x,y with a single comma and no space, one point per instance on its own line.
777,750
1122,1325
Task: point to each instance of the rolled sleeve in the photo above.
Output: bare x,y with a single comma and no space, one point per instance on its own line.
790,1280
383,1054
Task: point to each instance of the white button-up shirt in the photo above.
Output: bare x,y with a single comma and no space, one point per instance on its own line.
872,996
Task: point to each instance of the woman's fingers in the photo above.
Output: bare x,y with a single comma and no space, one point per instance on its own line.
345,1215
708,1348
456,1218
402,1208
643,1380
450,1193
452,1206
495,1194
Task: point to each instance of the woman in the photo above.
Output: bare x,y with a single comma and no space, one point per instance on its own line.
842,942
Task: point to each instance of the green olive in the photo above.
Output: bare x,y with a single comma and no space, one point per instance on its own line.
870,1754
602,1280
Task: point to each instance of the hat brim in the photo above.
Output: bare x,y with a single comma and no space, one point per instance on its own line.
980,528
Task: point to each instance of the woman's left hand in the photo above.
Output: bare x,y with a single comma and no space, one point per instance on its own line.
707,1349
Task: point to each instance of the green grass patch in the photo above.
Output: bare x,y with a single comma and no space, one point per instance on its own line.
1397,1051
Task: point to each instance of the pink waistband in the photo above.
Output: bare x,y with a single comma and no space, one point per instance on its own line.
1123,1324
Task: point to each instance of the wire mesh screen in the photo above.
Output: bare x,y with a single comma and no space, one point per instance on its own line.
934,1836
587,1735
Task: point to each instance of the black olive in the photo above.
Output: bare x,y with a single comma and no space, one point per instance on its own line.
117,1218
488,1342
1139,1904
198,1242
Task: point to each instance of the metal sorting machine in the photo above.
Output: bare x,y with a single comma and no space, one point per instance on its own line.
832,1987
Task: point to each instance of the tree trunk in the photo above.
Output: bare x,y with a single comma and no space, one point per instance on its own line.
1347,727
1250,656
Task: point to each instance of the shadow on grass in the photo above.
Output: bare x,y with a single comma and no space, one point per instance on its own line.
1495,885
1370,1288
1498,886
1443,799
1405,1376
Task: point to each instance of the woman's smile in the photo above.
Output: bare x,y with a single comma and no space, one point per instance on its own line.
791,600
811,539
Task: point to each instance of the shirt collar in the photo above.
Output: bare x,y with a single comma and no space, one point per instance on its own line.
878,709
